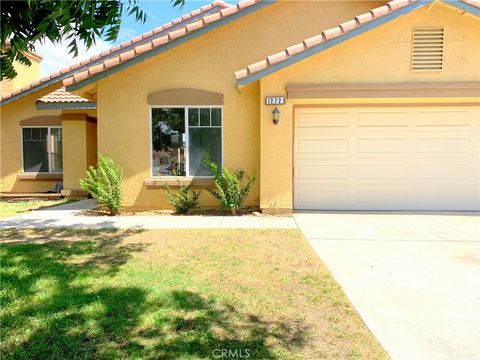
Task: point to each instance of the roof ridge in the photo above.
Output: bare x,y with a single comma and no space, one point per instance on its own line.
118,48
344,28
62,96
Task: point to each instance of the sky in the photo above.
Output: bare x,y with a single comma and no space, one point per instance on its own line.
56,57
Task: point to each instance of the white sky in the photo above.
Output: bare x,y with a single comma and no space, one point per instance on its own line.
56,57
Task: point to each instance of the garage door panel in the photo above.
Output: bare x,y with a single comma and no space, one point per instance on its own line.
418,159
379,198
323,145
382,145
322,171
323,119
382,171
442,144
449,198
444,119
445,172
311,195
383,119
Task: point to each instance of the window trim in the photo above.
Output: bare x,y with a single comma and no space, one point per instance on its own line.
187,143
48,149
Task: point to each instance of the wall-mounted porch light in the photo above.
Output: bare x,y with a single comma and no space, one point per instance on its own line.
276,115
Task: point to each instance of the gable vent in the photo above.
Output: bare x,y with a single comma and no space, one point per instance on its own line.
427,49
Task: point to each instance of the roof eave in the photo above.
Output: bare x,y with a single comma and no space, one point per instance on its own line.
65,106
464,7
330,43
37,88
170,45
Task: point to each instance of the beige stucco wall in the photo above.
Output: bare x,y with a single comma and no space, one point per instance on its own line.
91,143
78,139
382,55
11,147
206,63
79,148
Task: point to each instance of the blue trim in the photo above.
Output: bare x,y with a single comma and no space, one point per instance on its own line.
39,87
69,106
459,4
330,43
170,45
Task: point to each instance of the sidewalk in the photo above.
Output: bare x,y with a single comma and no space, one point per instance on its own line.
68,216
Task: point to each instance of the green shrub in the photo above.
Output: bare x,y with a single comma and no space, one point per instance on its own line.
184,200
104,182
229,188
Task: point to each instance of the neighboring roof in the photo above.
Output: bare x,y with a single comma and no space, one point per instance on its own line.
215,6
61,99
333,36
162,43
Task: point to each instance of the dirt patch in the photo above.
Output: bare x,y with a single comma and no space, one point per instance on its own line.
199,212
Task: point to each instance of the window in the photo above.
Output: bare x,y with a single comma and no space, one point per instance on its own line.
182,136
42,149
427,49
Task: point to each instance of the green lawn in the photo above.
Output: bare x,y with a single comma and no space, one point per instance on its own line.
8,209
170,294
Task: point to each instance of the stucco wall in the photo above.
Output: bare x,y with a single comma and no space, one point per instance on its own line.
206,63
382,55
79,148
11,146
91,143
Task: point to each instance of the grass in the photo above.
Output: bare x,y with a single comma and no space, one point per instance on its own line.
170,294
13,208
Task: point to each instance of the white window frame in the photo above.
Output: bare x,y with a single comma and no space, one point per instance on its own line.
187,152
49,150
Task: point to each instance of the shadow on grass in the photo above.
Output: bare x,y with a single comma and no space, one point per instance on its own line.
59,301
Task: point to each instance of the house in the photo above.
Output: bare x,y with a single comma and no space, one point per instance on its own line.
377,106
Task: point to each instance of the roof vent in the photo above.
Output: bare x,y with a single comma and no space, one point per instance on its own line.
427,49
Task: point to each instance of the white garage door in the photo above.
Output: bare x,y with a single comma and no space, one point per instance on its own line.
387,158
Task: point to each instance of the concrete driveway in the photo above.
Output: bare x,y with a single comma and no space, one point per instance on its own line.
413,277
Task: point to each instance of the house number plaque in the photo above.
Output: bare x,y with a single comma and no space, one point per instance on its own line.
275,100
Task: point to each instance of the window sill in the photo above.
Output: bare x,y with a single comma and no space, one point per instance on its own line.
176,182
40,176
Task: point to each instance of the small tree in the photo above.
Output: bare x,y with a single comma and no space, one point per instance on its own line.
184,200
104,182
229,188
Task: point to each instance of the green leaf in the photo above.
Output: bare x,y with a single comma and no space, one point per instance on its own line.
22,23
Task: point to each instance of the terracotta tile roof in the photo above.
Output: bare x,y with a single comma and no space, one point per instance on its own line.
475,3
327,35
215,6
147,46
62,96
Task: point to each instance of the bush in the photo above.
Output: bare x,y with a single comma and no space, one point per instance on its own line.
229,188
103,182
184,200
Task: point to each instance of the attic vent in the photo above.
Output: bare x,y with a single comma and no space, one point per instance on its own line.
427,49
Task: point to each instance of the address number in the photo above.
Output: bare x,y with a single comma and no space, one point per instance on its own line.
275,100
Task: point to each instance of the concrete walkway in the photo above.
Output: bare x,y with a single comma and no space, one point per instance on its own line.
413,277
69,216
